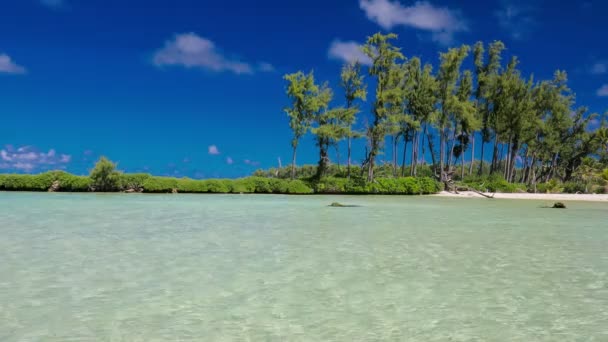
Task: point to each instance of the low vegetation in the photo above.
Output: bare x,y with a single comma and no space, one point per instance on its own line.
105,178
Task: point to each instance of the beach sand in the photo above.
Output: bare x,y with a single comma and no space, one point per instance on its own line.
548,197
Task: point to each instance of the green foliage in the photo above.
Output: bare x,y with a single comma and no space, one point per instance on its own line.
493,183
550,187
104,176
388,186
574,187
159,184
44,181
133,181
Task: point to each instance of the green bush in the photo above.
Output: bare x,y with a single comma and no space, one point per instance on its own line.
551,187
159,184
72,183
133,181
218,186
297,187
104,176
43,181
403,186
493,183
574,187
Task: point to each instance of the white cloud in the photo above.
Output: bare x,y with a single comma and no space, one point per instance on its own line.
599,68
603,91
27,159
441,21
516,19
229,161
251,162
190,50
213,150
348,51
8,66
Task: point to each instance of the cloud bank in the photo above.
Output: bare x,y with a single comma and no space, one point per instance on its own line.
8,66
348,51
442,22
28,159
190,50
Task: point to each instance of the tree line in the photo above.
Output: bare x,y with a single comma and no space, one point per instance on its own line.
533,127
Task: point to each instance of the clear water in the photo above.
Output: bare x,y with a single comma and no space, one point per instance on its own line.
279,268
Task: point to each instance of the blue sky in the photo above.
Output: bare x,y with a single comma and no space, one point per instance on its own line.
194,88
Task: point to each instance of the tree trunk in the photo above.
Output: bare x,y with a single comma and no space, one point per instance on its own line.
348,162
494,165
403,160
293,163
430,141
452,147
422,145
395,141
480,171
462,166
414,154
472,153
441,153
323,159
337,147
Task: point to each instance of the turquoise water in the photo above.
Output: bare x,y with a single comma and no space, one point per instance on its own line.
279,268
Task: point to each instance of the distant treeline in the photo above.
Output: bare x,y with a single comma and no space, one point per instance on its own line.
105,178
535,132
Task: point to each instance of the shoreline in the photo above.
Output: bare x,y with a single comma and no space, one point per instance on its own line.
529,196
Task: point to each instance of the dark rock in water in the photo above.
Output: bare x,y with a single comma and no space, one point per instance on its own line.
340,205
55,186
559,205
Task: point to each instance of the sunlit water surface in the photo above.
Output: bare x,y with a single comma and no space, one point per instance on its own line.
288,268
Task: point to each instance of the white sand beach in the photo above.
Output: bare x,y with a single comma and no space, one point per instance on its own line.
548,197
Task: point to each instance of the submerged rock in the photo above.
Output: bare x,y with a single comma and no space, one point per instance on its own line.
340,205
559,205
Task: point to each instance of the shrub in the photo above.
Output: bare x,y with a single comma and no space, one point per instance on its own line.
493,183
404,186
297,187
41,182
159,184
104,176
133,180
188,185
574,187
218,186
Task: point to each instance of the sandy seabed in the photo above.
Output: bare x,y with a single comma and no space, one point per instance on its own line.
549,197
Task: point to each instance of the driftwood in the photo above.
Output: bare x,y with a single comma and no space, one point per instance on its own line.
450,185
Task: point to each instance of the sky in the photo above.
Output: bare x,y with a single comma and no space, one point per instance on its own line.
195,88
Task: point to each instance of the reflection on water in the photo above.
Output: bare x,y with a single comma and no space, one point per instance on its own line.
254,267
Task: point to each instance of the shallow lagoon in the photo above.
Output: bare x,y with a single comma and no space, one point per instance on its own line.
86,267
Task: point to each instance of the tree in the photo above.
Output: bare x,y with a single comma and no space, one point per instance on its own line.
449,73
486,74
384,58
466,120
104,176
301,89
330,127
354,87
